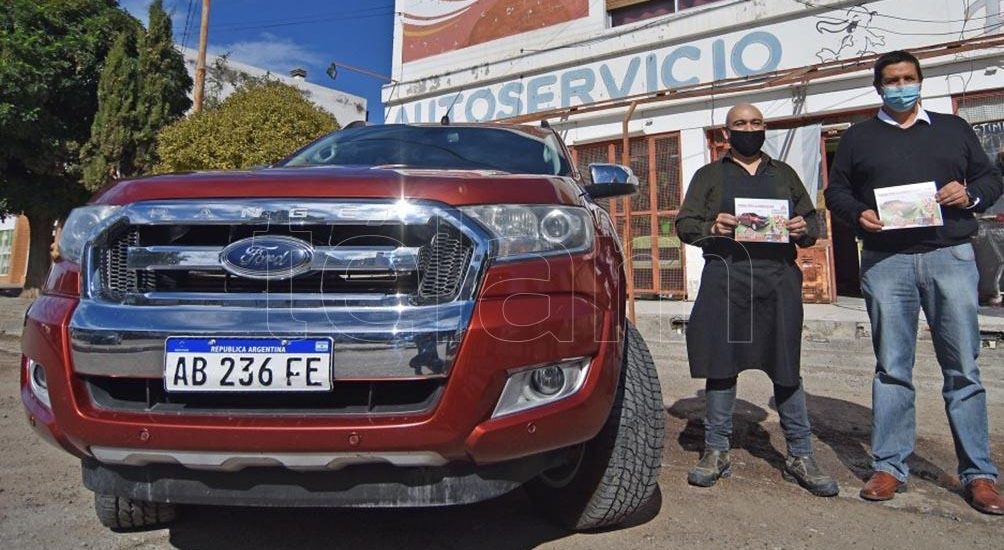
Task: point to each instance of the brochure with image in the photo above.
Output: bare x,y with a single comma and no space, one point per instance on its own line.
904,206
762,220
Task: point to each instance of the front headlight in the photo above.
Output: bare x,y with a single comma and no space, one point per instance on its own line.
78,228
528,231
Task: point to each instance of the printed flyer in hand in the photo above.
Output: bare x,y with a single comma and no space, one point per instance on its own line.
905,206
762,220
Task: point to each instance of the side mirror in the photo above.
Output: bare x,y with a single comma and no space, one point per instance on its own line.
611,180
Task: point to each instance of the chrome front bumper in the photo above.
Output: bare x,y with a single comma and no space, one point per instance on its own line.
369,342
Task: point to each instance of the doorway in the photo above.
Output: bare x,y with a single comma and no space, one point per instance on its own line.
836,255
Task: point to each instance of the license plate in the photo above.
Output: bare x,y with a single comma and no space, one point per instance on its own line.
247,364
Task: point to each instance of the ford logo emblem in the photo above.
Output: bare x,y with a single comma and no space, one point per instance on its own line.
267,257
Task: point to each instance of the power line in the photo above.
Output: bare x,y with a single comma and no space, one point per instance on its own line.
188,24
191,26
628,29
809,4
936,34
560,31
184,29
176,8
296,23
364,13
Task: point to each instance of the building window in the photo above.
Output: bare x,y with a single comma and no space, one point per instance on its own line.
623,12
6,241
657,261
985,112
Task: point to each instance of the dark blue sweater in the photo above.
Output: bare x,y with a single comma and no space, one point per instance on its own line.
876,154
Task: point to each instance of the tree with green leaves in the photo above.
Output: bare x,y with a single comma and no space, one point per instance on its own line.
258,124
144,86
51,55
165,85
111,151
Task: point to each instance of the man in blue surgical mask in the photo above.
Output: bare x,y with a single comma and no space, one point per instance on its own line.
910,181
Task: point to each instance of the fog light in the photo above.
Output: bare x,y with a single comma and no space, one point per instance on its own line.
540,385
36,380
38,375
548,380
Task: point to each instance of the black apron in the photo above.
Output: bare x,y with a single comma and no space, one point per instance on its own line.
748,312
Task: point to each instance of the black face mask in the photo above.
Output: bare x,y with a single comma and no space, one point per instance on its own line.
747,144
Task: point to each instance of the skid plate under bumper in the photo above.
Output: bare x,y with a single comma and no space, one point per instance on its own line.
372,485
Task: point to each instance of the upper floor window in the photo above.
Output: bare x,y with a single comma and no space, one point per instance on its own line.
623,12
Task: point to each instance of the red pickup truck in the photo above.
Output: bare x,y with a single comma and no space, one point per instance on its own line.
399,315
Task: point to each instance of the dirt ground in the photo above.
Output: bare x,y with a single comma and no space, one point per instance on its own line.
43,504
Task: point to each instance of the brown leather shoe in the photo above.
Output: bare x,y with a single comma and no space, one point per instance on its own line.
882,486
982,494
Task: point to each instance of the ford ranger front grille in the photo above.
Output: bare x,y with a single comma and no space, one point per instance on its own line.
390,284
442,264
118,280
185,260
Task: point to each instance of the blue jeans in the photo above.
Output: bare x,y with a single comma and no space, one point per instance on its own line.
720,400
943,282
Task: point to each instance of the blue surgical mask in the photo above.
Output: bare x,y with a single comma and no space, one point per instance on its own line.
901,98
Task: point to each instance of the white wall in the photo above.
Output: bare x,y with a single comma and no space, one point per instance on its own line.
553,68
345,107
695,154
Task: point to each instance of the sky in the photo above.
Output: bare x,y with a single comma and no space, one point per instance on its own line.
281,35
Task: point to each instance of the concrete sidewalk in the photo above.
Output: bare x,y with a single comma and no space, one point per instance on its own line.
12,316
845,320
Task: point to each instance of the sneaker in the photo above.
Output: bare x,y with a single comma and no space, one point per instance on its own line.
805,472
713,465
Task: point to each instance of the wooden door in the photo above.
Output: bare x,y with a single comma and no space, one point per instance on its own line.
818,277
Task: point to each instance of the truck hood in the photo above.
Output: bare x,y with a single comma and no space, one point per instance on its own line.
454,187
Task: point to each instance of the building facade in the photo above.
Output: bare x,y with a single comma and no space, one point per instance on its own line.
345,107
14,235
648,82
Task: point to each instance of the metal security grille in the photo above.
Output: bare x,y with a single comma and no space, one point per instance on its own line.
656,252
985,112
981,108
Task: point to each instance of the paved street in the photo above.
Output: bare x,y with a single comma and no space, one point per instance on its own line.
43,505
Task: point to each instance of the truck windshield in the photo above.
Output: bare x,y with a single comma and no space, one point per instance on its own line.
450,147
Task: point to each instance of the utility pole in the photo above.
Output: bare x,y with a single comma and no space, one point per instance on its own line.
200,63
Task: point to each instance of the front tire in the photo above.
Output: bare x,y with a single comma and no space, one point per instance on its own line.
120,514
613,476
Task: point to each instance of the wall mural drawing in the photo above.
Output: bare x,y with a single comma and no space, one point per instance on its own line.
436,26
851,35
